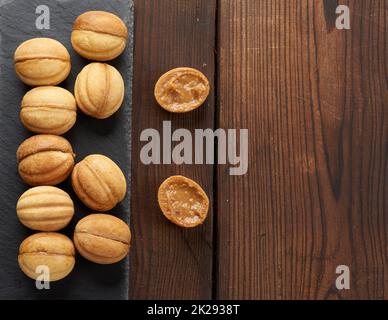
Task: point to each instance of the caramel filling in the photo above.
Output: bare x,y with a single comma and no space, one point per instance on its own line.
185,203
183,91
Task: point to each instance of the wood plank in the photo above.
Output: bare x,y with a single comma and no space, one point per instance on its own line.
167,262
315,197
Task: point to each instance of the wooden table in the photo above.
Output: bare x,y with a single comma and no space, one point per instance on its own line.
314,99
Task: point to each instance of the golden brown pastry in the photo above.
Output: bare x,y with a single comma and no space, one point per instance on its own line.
45,208
48,109
183,201
45,159
50,249
99,90
42,62
102,238
99,182
99,35
182,90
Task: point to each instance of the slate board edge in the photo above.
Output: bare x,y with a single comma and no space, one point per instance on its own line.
130,22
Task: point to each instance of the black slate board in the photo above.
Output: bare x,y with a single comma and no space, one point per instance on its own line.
110,137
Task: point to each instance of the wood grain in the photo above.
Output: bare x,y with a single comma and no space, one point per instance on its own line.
167,262
314,99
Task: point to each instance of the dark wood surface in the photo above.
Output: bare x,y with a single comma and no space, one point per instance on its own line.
168,262
314,99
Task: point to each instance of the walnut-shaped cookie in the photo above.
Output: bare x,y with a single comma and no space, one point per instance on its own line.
42,62
99,182
99,90
45,160
99,35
